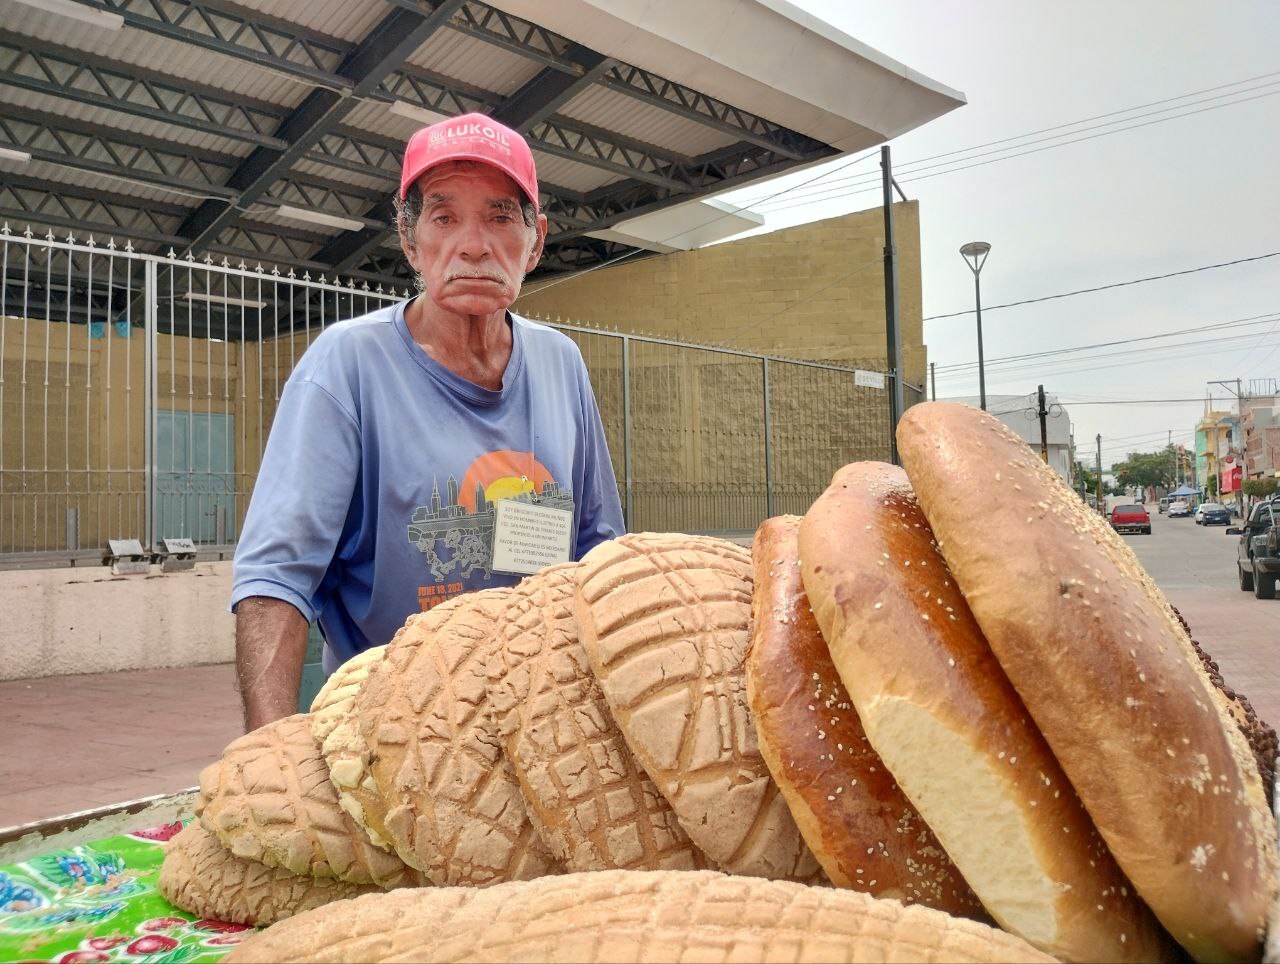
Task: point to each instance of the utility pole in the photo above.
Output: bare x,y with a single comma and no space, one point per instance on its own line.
1044,431
1101,505
933,379
892,342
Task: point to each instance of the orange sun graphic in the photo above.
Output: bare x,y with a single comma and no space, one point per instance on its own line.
502,475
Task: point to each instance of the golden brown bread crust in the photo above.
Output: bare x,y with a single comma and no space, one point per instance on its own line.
618,916
663,618
951,728
202,878
453,804
269,799
856,820
591,802
1108,674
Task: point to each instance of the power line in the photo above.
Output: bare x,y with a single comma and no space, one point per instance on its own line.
1262,319
919,164
1118,284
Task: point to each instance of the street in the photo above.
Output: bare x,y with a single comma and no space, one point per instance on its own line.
1195,567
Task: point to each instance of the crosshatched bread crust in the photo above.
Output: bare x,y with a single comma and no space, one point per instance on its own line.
201,877
269,799
858,823
1109,675
453,804
633,916
951,729
664,620
336,731
591,802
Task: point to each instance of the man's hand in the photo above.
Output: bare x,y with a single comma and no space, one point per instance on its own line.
271,643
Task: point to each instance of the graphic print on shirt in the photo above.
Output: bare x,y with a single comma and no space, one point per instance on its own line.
454,531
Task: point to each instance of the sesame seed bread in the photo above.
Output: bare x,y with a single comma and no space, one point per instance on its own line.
453,804
951,728
1108,674
622,916
201,877
336,731
858,823
664,622
590,801
268,798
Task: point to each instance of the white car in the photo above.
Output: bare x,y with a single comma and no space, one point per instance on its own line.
1179,509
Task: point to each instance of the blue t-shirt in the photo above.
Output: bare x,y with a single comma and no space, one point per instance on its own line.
375,498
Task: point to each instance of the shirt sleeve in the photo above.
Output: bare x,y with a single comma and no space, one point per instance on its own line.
599,508
300,501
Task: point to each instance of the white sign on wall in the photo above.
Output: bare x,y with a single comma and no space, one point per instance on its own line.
868,379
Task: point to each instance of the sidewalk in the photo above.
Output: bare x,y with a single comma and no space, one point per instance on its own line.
76,742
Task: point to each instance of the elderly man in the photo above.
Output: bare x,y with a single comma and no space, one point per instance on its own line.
435,447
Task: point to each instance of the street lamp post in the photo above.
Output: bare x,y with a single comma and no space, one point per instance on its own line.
975,256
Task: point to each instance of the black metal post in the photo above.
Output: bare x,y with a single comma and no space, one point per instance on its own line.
1044,433
982,374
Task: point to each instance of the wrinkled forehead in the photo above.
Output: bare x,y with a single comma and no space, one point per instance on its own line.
468,180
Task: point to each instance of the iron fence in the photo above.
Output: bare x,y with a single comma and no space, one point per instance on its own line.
137,392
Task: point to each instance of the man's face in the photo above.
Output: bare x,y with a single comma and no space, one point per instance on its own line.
471,246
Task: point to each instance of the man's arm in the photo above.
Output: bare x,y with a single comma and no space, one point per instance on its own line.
271,643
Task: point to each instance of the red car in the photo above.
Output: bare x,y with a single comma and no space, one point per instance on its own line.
1131,518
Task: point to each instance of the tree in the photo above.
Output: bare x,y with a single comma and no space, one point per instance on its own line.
1259,488
1212,486
1143,470
1088,477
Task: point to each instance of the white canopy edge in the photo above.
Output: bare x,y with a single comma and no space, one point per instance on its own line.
764,56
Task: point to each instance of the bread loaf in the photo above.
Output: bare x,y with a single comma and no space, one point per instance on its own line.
1108,674
590,801
201,877
664,622
858,823
453,804
269,799
951,729
336,731
622,916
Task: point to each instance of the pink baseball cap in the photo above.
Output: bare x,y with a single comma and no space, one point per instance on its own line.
470,137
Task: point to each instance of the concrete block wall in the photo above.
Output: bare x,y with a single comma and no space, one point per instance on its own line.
814,292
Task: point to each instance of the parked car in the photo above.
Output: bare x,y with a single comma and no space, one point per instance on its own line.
1179,509
1212,514
1131,518
1258,555
1164,505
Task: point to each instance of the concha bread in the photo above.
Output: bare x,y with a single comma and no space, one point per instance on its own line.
336,730
453,804
621,916
858,823
1108,674
664,620
201,877
590,801
269,799
951,729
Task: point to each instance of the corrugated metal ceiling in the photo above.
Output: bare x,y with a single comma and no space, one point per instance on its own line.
270,114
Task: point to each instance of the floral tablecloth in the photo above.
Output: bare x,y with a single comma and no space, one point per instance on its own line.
98,902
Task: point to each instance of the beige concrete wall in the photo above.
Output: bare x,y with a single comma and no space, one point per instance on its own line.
62,621
814,292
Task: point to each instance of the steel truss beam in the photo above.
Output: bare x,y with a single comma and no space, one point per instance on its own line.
88,211
73,74
95,147
389,43
245,35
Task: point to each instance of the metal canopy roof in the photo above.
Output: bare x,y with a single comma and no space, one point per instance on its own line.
271,131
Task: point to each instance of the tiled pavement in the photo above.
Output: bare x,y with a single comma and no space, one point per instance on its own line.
76,742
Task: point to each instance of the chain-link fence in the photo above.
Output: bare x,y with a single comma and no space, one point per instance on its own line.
137,392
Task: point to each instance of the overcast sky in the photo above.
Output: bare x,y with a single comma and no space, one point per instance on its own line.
1180,194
